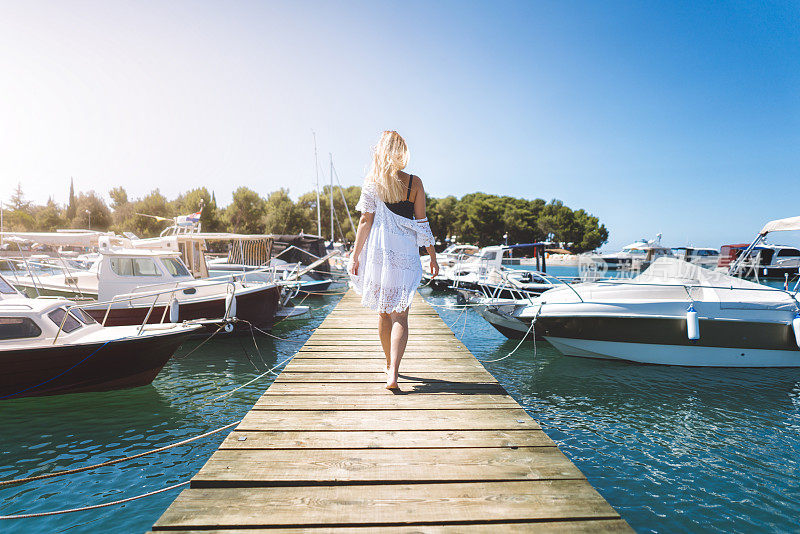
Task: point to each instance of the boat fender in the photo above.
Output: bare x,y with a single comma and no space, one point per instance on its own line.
174,311
692,324
796,328
230,305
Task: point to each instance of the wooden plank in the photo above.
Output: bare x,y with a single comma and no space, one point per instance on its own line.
261,468
385,505
598,526
412,342
383,402
380,377
454,352
481,419
365,388
379,364
372,354
385,439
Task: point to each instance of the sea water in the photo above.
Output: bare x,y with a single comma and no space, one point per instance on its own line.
672,449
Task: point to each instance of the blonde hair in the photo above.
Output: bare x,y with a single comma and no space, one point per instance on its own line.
389,156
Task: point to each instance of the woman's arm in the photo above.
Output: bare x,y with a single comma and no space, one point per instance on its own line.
419,214
364,226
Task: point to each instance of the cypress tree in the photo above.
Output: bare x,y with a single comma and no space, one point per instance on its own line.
71,208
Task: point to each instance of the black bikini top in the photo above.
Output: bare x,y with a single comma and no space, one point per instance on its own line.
404,208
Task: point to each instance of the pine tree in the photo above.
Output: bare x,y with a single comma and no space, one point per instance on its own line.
71,208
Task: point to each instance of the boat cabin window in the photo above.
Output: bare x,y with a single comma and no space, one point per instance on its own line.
18,328
70,323
6,288
788,253
175,267
84,317
489,256
134,267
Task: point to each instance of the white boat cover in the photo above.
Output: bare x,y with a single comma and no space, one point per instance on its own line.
781,225
731,292
58,239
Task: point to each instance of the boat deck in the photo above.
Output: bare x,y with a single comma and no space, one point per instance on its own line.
328,449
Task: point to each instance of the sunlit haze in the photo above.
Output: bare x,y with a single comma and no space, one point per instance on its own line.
677,117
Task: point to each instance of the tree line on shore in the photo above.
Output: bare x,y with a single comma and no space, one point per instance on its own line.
477,218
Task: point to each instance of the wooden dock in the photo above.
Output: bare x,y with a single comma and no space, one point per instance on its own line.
328,449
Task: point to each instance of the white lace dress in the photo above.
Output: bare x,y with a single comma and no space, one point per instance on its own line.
389,266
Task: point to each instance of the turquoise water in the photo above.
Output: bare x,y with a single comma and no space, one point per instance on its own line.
41,435
672,449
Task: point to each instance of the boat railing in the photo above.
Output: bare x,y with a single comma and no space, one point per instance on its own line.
116,299
34,277
792,294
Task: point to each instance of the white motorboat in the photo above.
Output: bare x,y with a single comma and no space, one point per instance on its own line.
763,260
446,259
702,256
636,256
487,274
165,285
49,346
674,313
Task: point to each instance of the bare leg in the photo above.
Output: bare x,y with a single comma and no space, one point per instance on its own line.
398,348
385,332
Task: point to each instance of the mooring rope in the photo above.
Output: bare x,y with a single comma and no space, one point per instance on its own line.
531,328
206,340
118,460
94,506
259,377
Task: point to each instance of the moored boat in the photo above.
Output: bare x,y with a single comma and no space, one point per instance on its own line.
674,313
130,286
49,346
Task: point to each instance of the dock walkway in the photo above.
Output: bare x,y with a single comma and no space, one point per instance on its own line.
328,449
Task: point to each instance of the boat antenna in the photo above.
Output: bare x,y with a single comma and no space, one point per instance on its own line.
333,238
316,170
346,207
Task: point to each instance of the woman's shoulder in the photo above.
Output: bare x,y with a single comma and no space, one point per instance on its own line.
416,181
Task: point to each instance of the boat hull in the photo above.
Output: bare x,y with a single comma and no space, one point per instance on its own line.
256,307
86,367
664,341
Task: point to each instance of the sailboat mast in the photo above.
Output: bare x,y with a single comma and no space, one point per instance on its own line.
316,170
331,195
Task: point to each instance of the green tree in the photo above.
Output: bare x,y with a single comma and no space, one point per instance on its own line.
49,217
20,217
71,207
281,215
246,213
192,201
91,212
119,197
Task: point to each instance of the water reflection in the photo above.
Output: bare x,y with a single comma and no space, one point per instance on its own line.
673,449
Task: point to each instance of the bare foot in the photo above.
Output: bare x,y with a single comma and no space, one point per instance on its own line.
391,381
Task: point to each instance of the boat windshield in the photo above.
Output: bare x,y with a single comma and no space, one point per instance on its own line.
70,324
84,317
134,266
5,287
631,250
175,267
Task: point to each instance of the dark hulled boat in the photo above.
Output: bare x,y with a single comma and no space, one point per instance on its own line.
48,348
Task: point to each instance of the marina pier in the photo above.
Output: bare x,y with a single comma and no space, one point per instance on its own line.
327,448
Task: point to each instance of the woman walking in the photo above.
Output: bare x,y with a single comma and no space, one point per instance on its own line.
385,267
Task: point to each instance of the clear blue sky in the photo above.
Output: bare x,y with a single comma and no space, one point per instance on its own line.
673,117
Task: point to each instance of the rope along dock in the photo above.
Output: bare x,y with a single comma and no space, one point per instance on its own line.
327,448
